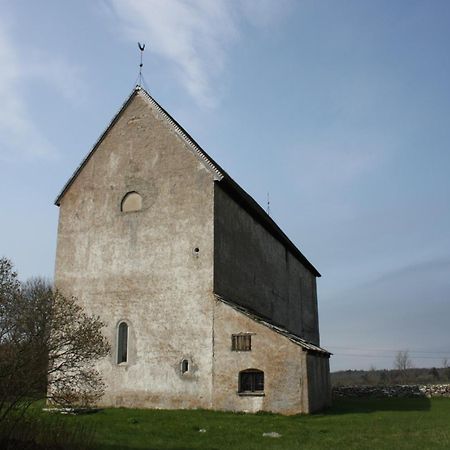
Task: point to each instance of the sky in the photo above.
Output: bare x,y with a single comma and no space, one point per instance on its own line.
340,110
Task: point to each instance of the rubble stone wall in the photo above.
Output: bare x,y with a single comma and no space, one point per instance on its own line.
415,390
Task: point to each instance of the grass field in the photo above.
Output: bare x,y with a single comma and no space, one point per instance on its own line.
350,424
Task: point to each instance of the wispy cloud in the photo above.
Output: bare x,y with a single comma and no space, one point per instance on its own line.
194,35
337,163
66,78
406,274
20,137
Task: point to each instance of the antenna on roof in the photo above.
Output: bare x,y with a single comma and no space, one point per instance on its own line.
268,204
141,48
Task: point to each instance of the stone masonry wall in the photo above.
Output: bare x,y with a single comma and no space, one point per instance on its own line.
415,390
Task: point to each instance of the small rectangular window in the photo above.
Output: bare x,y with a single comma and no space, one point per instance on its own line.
241,342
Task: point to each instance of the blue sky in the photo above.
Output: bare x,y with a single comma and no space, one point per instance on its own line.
339,109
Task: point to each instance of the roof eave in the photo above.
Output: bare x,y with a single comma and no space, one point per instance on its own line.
304,344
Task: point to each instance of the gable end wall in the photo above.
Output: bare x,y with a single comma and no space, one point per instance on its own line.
141,266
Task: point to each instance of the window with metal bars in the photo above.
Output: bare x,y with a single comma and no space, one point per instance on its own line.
251,381
241,342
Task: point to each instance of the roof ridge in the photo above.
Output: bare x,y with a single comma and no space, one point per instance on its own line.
184,134
218,171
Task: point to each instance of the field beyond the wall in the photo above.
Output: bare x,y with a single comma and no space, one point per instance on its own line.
417,423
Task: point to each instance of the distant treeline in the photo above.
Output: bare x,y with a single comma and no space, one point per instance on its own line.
375,377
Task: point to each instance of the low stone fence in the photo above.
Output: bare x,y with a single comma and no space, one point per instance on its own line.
415,390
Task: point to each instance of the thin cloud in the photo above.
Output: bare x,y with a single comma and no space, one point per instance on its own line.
194,36
414,271
66,78
338,162
20,137
265,13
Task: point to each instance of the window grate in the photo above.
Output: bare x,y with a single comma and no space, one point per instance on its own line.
241,342
251,381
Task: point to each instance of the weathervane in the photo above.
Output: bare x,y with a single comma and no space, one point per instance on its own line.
141,48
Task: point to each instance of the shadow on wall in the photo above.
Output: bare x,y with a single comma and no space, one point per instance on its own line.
371,405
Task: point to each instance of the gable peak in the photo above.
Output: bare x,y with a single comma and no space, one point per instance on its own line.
143,93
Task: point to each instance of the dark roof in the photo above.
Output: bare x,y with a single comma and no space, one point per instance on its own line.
308,346
258,213
221,177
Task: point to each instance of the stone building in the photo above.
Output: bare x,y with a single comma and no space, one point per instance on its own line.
207,303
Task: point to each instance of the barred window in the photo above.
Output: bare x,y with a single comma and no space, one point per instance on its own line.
241,342
251,381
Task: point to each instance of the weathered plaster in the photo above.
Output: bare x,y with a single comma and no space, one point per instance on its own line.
282,361
140,266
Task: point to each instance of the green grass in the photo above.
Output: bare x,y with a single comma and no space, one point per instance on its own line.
349,424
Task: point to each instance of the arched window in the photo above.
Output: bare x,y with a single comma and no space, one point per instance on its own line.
122,343
184,366
132,201
251,381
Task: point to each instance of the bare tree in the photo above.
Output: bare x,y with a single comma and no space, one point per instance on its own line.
74,343
446,366
402,363
48,345
402,360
